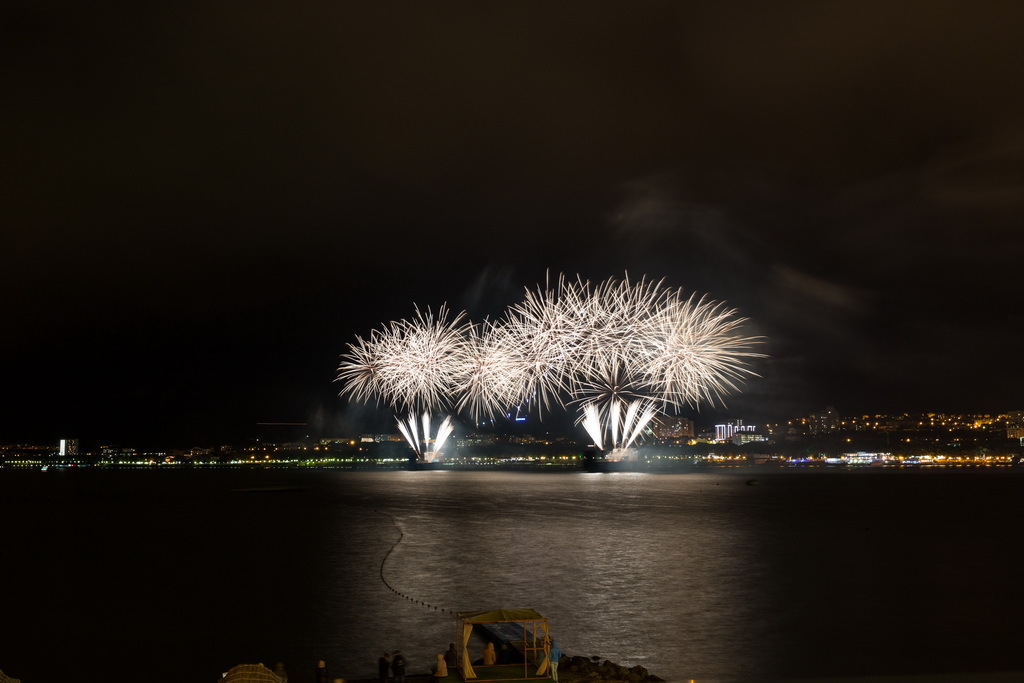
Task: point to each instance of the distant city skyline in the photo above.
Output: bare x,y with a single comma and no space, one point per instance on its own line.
825,421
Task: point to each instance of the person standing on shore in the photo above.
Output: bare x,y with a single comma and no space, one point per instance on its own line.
554,654
383,668
321,672
451,657
398,666
441,670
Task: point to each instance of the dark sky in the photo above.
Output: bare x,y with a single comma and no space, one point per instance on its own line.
202,204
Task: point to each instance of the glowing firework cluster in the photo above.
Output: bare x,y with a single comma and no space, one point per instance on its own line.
621,352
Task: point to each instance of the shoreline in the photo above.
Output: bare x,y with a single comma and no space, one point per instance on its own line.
571,669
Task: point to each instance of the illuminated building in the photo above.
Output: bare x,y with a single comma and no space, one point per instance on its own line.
118,454
725,432
863,458
471,440
379,438
1015,425
666,428
824,422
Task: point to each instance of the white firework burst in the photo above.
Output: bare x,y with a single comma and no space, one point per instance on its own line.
412,364
361,368
620,350
491,379
540,338
693,352
424,362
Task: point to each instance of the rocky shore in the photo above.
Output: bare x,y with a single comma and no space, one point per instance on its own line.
592,670
573,670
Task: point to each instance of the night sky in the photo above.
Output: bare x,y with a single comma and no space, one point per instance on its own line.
202,204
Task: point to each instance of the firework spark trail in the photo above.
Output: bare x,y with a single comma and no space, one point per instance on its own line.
426,431
614,313
360,370
629,422
642,419
443,432
491,379
624,430
421,363
567,332
541,336
410,428
606,380
607,325
691,352
404,427
592,423
616,408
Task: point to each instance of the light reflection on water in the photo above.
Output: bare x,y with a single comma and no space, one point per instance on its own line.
805,575
704,576
627,566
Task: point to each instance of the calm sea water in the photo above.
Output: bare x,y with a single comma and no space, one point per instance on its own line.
178,575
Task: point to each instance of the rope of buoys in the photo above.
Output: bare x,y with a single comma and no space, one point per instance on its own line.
384,560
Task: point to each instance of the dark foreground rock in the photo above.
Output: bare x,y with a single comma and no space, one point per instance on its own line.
572,670
583,670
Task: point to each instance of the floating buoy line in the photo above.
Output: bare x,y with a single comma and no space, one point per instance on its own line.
384,579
